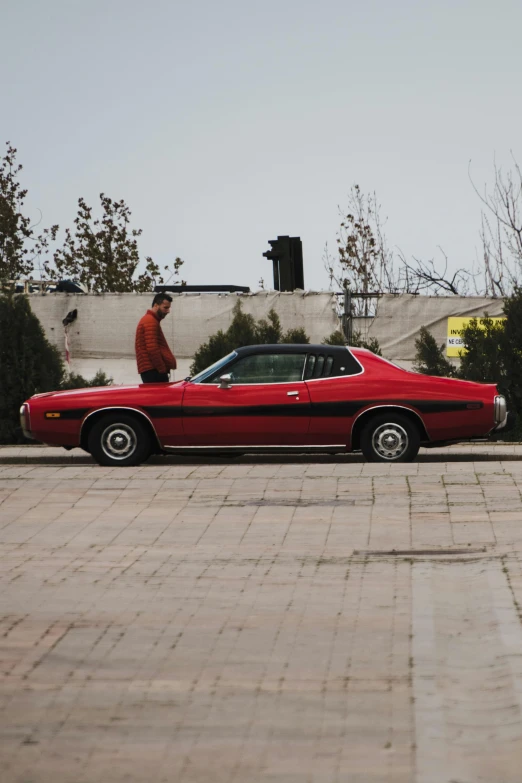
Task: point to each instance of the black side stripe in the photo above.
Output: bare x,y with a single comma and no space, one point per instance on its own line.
424,406
315,410
444,406
163,411
248,410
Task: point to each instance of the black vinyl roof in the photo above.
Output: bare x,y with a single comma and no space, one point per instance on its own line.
291,348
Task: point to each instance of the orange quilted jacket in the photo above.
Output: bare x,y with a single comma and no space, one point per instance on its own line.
152,351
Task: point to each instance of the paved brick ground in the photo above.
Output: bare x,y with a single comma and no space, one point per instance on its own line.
251,622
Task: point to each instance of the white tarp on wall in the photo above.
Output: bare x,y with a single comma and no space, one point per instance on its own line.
102,337
399,319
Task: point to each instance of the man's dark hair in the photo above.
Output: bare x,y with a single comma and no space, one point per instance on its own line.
159,298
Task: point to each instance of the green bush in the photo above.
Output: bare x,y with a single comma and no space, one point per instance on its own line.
429,358
29,364
75,381
244,330
512,350
493,355
483,359
357,341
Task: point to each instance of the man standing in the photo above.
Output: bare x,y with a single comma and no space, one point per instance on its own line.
154,357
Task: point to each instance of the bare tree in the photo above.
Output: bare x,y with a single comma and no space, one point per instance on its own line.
501,231
365,264
499,268
425,277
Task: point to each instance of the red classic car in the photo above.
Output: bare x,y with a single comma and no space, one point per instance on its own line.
299,398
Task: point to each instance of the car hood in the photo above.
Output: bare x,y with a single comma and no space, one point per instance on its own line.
78,394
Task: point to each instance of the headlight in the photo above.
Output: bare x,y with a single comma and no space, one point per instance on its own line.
25,420
500,408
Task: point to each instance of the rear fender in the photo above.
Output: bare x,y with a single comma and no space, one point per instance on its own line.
363,418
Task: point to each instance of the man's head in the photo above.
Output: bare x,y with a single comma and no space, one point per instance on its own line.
161,305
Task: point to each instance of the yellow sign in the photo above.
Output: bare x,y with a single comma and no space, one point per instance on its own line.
455,343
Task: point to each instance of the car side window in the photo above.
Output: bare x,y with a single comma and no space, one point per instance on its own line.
310,364
318,366
328,366
331,365
268,368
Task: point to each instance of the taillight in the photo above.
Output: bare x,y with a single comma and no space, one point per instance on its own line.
500,408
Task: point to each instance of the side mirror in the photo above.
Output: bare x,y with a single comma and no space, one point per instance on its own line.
226,382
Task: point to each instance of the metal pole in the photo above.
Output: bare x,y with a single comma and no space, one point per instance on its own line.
350,322
347,316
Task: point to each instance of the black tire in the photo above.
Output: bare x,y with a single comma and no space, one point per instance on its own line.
390,437
118,439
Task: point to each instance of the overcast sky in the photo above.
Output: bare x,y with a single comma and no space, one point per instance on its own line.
223,123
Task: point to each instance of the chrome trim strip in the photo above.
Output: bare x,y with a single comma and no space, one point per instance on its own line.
121,408
357,360
206,372
335,377
266,383
309,380
256,448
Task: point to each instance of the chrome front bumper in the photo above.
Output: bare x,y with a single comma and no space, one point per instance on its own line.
25,421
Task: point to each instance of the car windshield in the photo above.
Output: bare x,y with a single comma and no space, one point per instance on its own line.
201,376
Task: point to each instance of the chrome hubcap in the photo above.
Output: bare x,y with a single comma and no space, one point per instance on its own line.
119,441
390,441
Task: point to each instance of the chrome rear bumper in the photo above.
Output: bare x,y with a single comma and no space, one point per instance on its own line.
507,423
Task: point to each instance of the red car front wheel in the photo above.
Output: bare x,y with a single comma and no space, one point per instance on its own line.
119,440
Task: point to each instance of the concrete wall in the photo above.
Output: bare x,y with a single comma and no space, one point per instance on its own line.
102,337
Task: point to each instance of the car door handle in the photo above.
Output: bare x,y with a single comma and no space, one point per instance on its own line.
293,394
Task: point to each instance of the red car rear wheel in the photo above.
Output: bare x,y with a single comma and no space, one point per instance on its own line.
390,437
